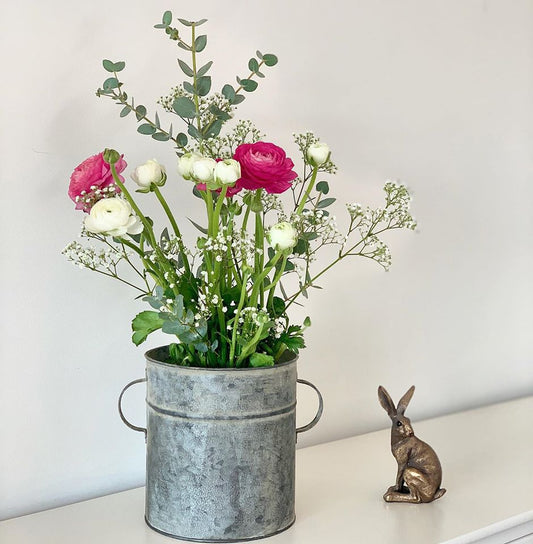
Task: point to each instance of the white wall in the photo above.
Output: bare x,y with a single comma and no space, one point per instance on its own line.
438,94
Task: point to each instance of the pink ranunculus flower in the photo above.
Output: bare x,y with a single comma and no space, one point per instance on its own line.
92,180
264,166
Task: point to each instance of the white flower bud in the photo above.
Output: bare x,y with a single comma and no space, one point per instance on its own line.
318,154
282,236
185,163
149,172
227,172
113,217
203,170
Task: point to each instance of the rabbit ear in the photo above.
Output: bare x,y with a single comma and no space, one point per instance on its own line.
386,401
404,401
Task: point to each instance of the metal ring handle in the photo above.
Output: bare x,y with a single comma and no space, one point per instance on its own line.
319,411
122,416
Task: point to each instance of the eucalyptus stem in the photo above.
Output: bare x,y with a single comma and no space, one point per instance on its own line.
195,79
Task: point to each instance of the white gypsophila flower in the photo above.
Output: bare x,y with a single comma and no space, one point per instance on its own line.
149,172
227,172
203,170
185,163
282,236
318,153
113,217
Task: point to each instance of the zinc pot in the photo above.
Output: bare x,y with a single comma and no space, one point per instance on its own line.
220,449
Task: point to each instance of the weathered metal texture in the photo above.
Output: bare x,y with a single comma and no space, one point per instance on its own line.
220,450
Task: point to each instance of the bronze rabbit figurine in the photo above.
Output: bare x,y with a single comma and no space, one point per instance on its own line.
419,471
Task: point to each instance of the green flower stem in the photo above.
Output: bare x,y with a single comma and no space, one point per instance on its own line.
258,281
217,273
259,254
308,191
250,346
146,224
177,232
272,287
208,197
242,298
245,218
218,207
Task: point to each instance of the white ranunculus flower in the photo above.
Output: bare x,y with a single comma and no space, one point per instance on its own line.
227,172
203,170
113,217
282,236
149,172
185,163
318,154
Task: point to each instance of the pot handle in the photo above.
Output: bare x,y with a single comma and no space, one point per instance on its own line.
316,419
122,416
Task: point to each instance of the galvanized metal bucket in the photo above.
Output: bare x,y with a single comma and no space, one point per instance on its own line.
220,444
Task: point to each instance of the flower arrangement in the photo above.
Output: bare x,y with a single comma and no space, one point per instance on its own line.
226,298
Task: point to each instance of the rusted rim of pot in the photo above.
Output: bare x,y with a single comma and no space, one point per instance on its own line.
152,356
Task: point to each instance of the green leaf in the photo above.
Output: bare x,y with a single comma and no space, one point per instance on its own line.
214,129
161,26
326,202
140,112
249,85
289,266
143,324
157,122
270,60
301,247
146,129
189,87
161,136
184,107
309,236
200,228
253,65
203,85
193,131
167,18
278,306
185,22
113,66
125,110
187,70
204,69
184,46
110,83
182,139
322,187
200,43
261,359
307,322
259,55
108,65
200,22
228,92
238,99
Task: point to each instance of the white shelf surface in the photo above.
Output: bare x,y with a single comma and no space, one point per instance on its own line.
487,459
